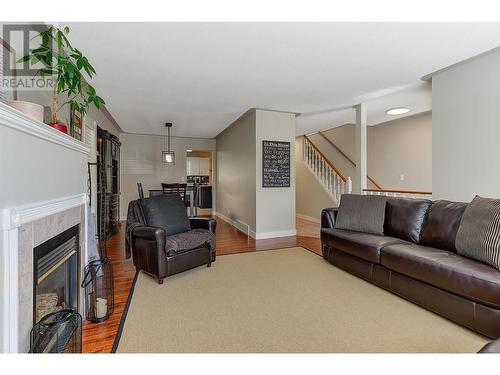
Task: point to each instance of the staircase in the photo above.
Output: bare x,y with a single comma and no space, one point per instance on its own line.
329,177
330,142
335,183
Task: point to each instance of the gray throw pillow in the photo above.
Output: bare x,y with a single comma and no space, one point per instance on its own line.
361,213
478,236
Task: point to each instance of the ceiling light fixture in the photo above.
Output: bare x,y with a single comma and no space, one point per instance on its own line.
397,111
189,150
168,157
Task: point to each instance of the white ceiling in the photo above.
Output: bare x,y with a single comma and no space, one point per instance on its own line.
202,76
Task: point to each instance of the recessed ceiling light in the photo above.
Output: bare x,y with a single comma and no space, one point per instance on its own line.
397,111
189,150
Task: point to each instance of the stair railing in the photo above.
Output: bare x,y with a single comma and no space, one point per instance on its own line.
328,175
399,193
330,142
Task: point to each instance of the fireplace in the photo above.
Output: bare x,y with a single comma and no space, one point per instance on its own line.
55,271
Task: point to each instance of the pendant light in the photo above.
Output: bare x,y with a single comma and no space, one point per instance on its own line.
168,157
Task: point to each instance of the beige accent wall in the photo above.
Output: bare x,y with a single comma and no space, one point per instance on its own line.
141,162
236,171
268,212
402,146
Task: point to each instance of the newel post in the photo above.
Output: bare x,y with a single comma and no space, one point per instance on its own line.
349,185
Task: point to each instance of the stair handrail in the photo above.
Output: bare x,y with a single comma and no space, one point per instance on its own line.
348,158
337,171
414,192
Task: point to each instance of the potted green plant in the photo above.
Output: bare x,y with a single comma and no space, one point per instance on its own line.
71,71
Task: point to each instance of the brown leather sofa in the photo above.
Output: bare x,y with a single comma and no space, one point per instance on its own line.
492,347
416,259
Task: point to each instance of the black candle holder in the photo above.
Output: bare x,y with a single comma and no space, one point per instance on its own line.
57,332
99,290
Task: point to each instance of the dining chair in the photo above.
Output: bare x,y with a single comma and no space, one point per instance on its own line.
175,189
155,193
139,189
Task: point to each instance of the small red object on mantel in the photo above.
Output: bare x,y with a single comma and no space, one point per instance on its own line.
62,128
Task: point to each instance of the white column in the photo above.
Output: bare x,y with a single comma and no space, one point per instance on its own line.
361,160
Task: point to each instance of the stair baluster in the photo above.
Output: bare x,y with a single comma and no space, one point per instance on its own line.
330,178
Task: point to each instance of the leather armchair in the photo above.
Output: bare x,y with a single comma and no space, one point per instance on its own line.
203,223
161,255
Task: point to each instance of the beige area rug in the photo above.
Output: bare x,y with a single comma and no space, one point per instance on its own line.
287,300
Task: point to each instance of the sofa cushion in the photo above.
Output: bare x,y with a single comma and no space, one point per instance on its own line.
361,213
441,225
166,211
363,245
446,270
478,236
192,239
404,218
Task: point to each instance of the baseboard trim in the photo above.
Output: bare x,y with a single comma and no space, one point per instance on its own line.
276,234
241,226
309,218
245,229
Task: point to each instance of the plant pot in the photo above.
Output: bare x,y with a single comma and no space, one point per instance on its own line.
62,128
33,110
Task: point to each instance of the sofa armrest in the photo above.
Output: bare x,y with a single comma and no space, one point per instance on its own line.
328,216
491,347
203,223
148,250
149,233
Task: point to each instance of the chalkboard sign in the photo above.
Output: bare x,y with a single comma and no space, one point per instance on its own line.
275,164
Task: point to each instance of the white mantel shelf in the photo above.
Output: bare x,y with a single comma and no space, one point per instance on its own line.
14,119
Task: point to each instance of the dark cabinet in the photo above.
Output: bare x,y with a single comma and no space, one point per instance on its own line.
108,184
205,196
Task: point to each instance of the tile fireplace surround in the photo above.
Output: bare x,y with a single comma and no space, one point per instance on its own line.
31,231
43,181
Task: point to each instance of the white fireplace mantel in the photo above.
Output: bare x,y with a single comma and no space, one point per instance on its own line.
17,120
17,216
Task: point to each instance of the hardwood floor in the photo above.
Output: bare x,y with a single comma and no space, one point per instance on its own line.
99,337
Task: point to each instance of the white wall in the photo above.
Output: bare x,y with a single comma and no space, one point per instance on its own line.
466,130
33,170
275,207
141,162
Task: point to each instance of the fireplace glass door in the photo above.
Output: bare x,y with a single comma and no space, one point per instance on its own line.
56,274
